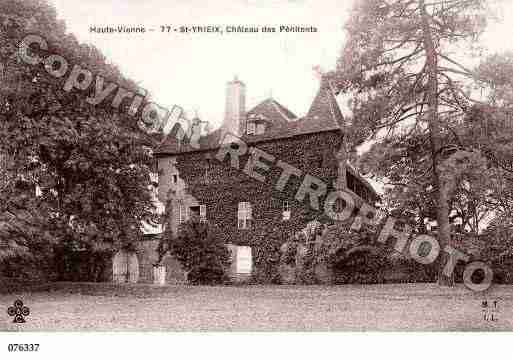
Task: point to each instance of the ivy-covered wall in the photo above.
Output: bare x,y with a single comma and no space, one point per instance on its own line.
221,187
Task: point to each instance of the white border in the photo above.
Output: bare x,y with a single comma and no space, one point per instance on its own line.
260,345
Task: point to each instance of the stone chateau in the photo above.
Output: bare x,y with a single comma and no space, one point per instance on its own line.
203,181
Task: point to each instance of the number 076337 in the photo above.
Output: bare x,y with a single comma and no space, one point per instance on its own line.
22,347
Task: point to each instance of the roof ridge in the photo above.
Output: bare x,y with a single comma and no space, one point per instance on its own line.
332,93
275,104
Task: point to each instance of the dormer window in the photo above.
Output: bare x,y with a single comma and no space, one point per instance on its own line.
286,211
251,128
260,129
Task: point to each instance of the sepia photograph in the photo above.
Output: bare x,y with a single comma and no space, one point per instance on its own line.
255,166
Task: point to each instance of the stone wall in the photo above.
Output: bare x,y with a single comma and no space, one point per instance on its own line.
219,187
222,187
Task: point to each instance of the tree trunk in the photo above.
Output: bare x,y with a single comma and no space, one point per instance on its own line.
444,235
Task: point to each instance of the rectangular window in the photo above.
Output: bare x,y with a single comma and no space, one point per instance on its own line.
358,190
286,211
175,179
207,172
182,215
366,196
260,129
199,212
251,128
203,213
194,211
351,182
244,215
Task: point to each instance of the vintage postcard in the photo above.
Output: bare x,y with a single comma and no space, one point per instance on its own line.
245,165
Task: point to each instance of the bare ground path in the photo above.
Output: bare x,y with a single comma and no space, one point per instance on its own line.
248,308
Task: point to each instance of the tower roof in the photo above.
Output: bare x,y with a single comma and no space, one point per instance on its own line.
324,110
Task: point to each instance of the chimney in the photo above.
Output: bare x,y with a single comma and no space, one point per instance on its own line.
235,110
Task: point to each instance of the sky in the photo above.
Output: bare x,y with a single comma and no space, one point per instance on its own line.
191,70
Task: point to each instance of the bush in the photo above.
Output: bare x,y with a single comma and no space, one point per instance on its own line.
198,247
335,254
266,248
301,254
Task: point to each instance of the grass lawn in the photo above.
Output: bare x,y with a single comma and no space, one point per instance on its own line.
250,308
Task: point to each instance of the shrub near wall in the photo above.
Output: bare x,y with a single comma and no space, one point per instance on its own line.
266,245
23,270
200,250
83,265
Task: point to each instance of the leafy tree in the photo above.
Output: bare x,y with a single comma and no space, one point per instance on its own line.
198,247
90,164
410,92
489,128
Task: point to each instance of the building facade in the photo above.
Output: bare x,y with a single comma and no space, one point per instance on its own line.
223,185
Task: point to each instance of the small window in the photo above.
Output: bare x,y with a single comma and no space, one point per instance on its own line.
203,213
194,211
251,128
206,172
351,182
260,129
286,211
154,192
244,215
205,175
175,179
358,190
182,214
366,195
199,212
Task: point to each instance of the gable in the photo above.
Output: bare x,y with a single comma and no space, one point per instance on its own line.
273,111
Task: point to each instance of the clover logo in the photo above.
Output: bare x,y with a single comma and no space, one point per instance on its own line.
18,311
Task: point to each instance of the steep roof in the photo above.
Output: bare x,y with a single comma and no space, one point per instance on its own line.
323,115
273,111
324,110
